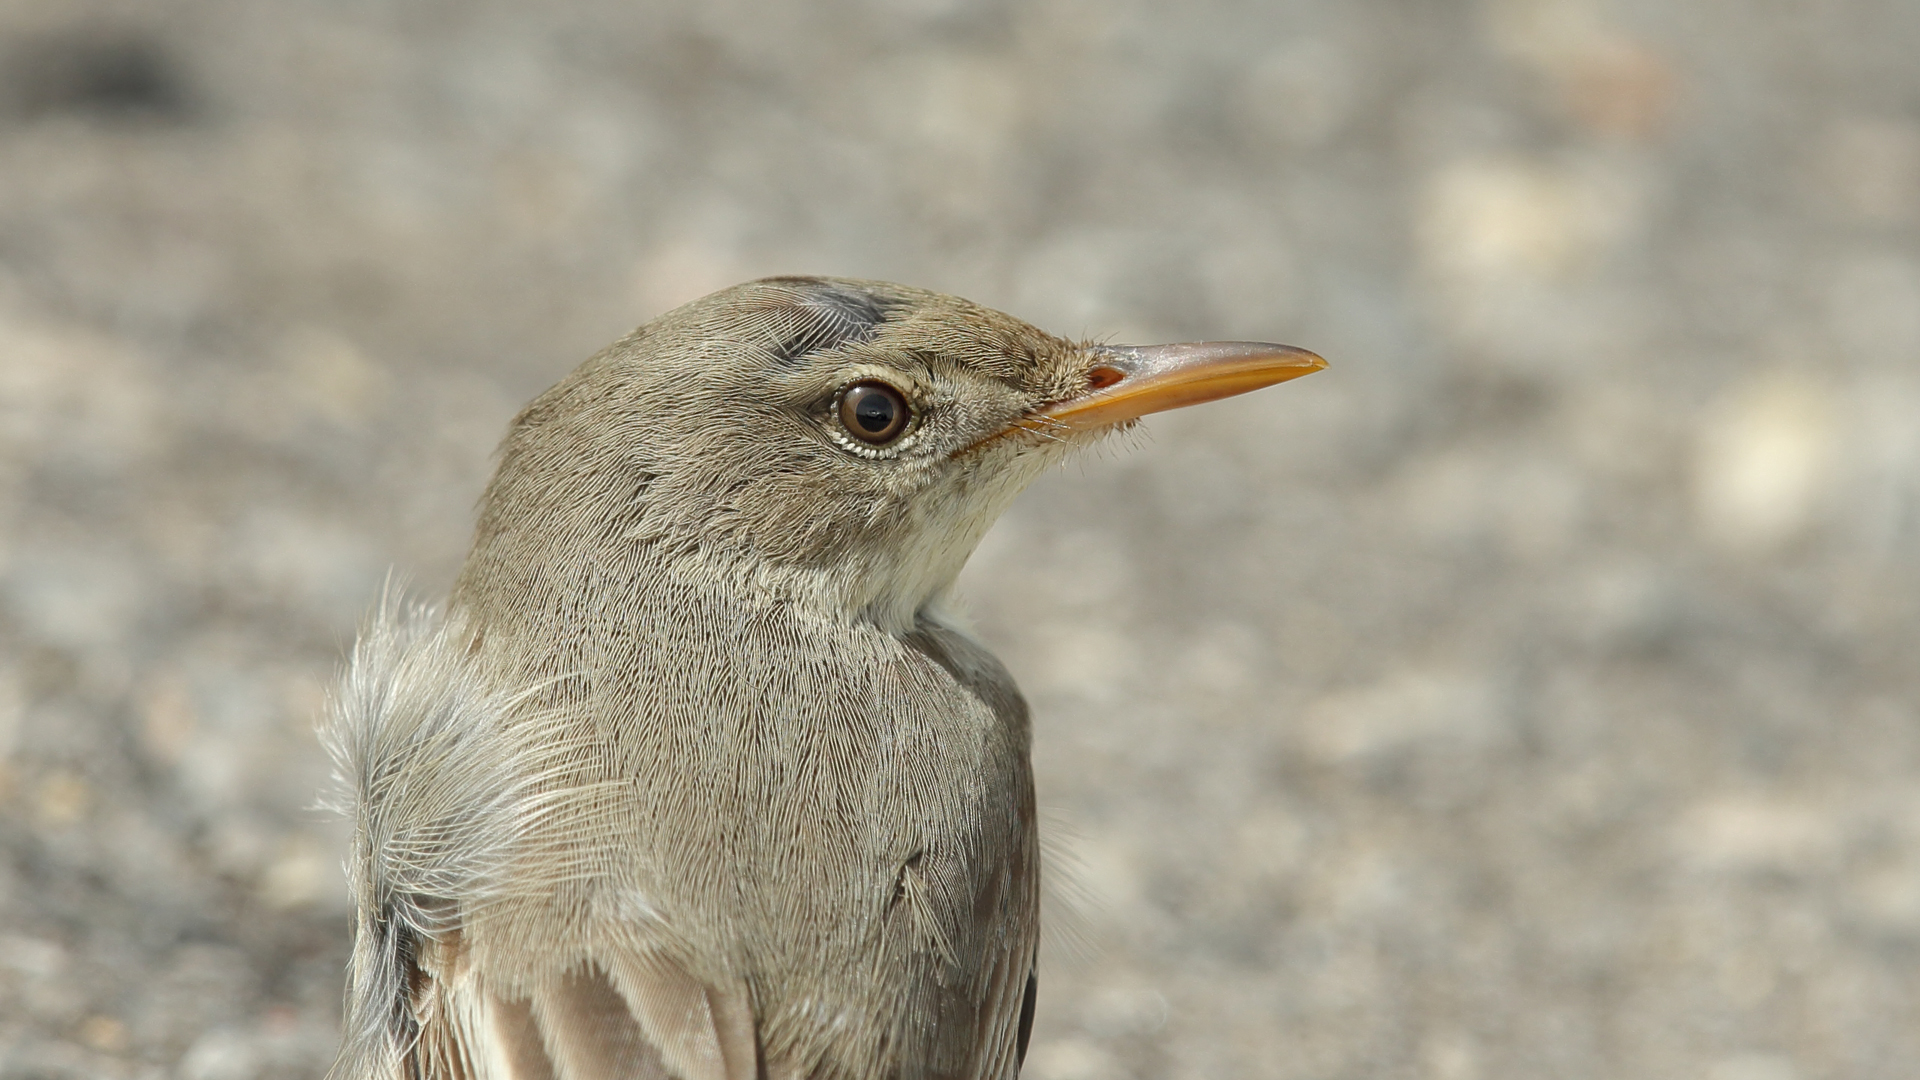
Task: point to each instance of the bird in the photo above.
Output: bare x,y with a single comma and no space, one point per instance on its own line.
696,773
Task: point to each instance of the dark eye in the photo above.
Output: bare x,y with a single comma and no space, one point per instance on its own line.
874,412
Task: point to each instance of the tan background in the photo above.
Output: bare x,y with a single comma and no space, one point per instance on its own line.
1531,695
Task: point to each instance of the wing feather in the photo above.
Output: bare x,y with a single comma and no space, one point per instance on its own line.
590,1032
1002,990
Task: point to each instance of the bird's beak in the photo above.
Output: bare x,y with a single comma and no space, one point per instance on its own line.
1129,381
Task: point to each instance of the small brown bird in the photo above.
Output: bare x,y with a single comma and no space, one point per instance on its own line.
694,777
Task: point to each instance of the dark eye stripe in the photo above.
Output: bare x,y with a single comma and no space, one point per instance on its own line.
801,316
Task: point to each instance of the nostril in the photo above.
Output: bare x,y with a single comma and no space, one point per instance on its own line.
1102,377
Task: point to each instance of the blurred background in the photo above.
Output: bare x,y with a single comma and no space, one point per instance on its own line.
1532,694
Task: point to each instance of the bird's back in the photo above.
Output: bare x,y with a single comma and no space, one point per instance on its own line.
813,838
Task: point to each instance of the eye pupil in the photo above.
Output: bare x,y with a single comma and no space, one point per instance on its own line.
874,412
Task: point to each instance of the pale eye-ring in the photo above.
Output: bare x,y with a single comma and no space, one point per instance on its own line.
874,412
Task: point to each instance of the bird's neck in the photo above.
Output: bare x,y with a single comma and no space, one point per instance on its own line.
890,578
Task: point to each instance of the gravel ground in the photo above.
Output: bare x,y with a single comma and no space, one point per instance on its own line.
1533,694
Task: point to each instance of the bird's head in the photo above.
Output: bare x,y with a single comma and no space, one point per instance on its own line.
841,441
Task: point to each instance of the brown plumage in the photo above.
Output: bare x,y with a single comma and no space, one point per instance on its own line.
693,777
